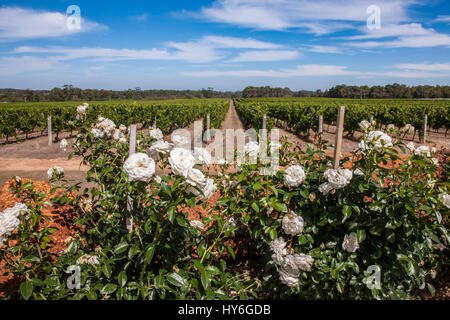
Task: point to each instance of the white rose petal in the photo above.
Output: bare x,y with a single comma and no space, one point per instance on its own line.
180,141
202,156
195,178
294,176
156,134
292,224
181,160
52,172
139,167
350,243
374,141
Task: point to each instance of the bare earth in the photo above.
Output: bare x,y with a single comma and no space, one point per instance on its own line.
32,158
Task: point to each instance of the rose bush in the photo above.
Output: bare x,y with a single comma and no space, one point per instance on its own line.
306,231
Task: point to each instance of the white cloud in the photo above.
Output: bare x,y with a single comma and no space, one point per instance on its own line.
408,30
311,70
140,17
433,40
203,50
436,67
406,71
15,65
442,19
266,55
324,49
288,14
18,24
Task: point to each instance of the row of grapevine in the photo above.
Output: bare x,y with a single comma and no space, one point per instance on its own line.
22,119
302,114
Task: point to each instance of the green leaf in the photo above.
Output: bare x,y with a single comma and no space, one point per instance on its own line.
122,279
231,251
280,207
121,247
206,279
177,280
26,289
106,268
171,213
431,289
255,206
360,235
149,254
347,211
109,288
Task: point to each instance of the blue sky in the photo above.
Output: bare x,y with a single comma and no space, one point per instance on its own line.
224,44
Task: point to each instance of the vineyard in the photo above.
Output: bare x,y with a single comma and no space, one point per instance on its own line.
22,119
302,115
161,221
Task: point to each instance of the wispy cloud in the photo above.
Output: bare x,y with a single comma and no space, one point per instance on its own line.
204,50
324,49
311,70
19,24
405,71
140,17
318,17
266,55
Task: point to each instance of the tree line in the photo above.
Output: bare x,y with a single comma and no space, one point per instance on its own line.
392,91
71,93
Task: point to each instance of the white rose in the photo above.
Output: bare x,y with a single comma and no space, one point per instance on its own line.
98,134
337,179
350,243
375,140
358,172
445,198
278,245
390,127
156,134
195,178
181,160
8,223
180,141
158,179
294,176
252,149
139,167
81,110
423,151
197,224
292,224
123,128
411,147
160,146
288,279
209,189
303,261
52,172
63,144
202,156
364,125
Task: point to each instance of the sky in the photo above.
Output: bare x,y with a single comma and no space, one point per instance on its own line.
224,44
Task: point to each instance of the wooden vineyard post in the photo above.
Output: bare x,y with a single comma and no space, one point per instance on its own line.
132,150
425,120
320,131
49,127
208,128
339,133
154,123
264,122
